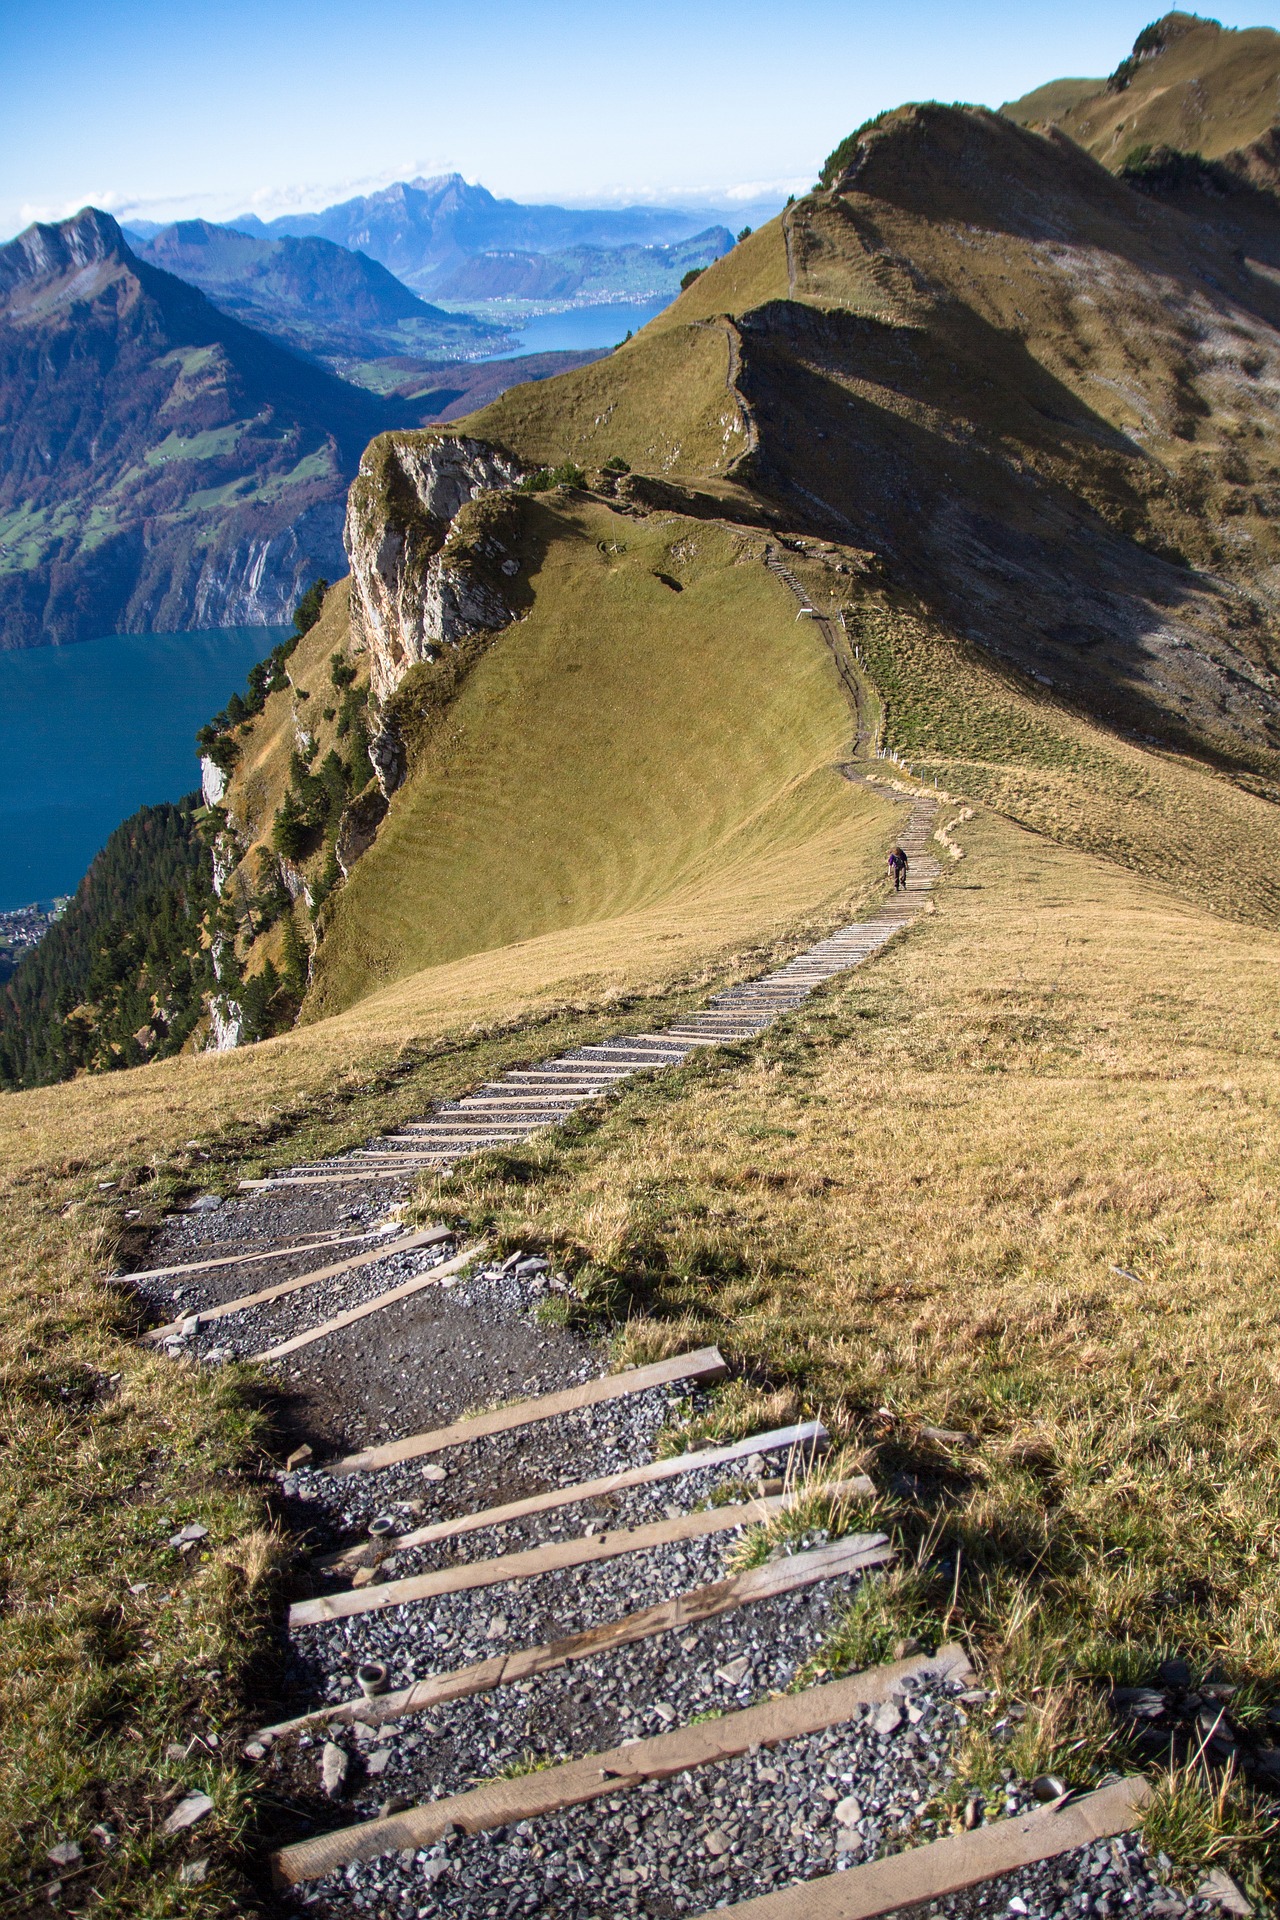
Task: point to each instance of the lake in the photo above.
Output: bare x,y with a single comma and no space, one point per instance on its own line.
579,328
91,732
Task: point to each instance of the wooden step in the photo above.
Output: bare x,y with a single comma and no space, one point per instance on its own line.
500,1803
429,1237
947,1866
811,1433
706,1366
280,1252
789,1574
431,1278
553,1556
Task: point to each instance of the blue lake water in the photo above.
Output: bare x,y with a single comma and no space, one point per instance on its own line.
580,328
90,733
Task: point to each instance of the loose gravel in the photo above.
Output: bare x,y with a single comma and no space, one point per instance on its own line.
1110,1878
625,1694
716,1833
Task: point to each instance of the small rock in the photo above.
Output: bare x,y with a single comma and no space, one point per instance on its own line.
175,1751
715,1843
187,1812
194,1872
378,1761
394,1803
733,1672
497,1627
974,1810
1048,1786
207,1203
1018,1905
665,1711
104,1835
1219,1887
433,1472
65,1854
298,1458
253,1750
888,1718
848,1840
1142,1703
365,1576
847,1812
333,1768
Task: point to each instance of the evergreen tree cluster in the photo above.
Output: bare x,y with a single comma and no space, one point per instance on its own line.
312,808
122,976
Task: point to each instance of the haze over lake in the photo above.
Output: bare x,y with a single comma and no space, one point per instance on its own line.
89,733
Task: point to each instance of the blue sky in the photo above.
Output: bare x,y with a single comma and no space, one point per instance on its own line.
217,106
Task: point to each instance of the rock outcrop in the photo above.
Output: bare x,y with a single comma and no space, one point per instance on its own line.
418,584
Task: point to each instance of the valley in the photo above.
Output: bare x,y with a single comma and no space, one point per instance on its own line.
573,1344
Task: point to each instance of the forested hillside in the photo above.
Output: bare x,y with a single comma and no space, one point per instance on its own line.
122,976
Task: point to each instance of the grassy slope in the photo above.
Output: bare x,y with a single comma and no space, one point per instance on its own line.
260,778
916,1197
1210,91
626,750
1045,105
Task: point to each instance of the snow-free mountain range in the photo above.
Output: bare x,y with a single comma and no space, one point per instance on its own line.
184,406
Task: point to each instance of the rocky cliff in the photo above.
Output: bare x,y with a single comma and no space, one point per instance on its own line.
422,577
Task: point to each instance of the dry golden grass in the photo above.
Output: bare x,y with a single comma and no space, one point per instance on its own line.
629,748
1209,91
1016,1178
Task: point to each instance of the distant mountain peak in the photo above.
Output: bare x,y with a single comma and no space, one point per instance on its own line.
42,252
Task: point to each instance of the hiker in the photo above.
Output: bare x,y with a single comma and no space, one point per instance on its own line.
898,868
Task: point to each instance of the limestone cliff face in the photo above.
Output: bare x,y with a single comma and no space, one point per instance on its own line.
420,582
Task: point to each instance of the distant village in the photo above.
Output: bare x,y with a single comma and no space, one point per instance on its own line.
25,927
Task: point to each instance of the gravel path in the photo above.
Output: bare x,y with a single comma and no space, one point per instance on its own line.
708,1837
720,1832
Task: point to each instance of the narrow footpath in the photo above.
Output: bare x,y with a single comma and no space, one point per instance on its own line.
544,1656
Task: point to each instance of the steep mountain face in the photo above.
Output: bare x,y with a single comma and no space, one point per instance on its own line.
314,296
164,466
642,273
423,230
1189,85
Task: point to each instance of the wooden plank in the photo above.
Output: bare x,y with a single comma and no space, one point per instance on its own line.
500,1803
553,1556
429,1279
812,1432
961,1860
428,1237
706,1365
366,1176
234,1259
567,1071
787,1575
